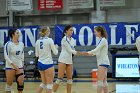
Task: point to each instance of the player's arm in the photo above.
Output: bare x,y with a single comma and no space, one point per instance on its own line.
36,49
23,54
98,48
53,47
68,47
6,53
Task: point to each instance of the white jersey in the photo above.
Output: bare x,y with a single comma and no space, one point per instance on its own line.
43,49
138,43
101,52
67,50
14,53
138,46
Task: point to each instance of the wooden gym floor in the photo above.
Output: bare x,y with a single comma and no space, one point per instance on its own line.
82,86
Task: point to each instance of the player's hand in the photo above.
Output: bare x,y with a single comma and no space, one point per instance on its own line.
15,66
84,53
89,54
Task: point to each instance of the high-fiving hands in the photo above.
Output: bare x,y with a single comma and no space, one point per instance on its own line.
84,54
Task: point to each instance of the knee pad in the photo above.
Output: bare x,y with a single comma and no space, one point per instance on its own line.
105,83
59,81
42,85
70,81
8,88
19,87
49,86
100,83
18,76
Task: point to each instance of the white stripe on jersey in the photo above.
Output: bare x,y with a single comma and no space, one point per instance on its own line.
43,49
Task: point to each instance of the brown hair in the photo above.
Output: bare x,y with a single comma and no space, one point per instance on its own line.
102,30
11,32
66,29
43,31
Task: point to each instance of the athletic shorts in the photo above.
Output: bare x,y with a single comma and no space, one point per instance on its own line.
104,65
12,68
43,67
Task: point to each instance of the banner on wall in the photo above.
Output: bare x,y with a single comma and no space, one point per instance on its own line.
50,4
118,33
74,4
19,5
28,35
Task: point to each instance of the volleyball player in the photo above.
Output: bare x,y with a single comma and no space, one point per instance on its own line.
65,59
14,56
43,50
101,52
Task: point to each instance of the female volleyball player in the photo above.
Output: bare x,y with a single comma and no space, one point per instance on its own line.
138,48
101,52
43,50
65,58
14,56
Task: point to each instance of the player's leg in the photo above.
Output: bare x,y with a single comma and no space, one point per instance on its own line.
43,82
41,68
100,77
10,74
20,80
69,71
49,74
61,72
105,84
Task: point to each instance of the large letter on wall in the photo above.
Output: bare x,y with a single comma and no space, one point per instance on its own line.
81,36
130,33
113,35
30,36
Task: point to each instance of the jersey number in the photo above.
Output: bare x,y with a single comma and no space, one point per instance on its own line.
41,45
17,52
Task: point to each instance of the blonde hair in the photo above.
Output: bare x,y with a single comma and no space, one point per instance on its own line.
44,31
102,30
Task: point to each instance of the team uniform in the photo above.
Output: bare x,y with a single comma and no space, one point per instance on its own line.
138,48
14,54
67,50
101,52
43,49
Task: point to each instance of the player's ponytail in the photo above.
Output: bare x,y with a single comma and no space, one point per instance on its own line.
45,30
